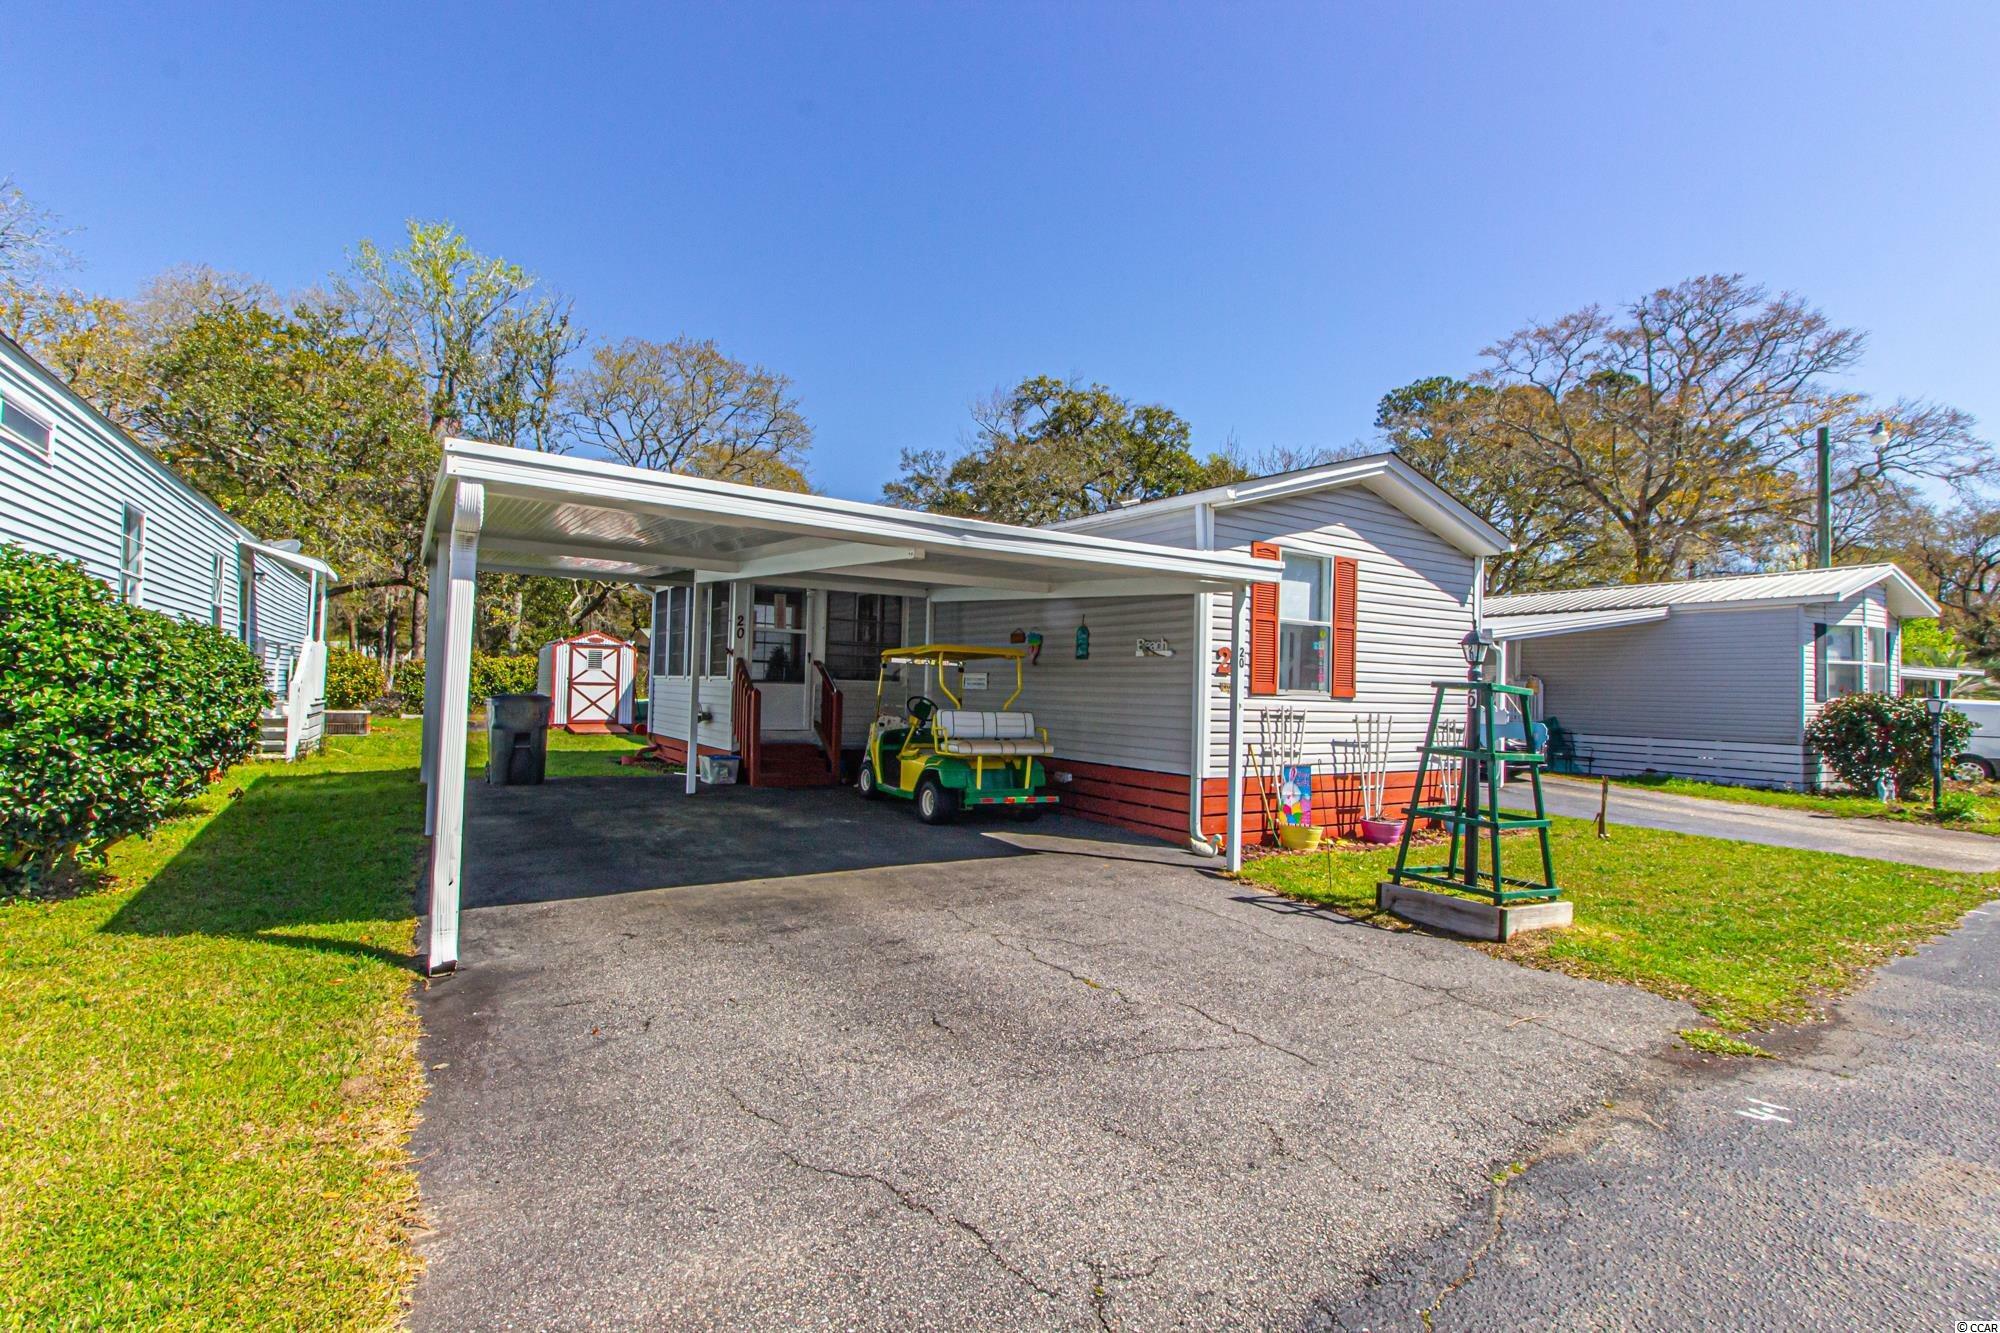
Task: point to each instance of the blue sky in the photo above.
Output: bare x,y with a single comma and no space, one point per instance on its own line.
1262,216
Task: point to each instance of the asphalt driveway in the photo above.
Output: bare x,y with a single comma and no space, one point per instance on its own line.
783,1058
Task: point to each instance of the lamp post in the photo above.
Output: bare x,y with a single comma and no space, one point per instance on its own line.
1934,705
1477,643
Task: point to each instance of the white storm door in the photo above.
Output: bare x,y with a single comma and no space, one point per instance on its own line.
779,645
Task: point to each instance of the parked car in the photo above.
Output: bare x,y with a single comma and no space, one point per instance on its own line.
1981,756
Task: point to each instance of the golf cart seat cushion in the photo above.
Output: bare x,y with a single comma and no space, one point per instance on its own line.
973,731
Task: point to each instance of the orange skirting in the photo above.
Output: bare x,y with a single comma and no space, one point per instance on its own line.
1336,804
674,750
1156,803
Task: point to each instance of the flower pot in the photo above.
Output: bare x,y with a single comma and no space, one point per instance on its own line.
1298,837
1381,830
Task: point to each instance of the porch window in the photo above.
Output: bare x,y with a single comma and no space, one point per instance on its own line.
1878,660
132,557
859,625
718,629
670,631
1305,624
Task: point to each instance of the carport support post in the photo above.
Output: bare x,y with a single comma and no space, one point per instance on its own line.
448,676
694,691
435,598
1239,613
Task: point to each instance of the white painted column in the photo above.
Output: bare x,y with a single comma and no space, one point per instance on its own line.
929,637
1239,667
448,671
694,688
434,604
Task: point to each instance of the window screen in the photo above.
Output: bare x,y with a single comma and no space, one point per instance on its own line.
718,630
859,625
670,631
25,428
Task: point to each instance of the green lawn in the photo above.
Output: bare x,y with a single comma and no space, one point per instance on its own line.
208,1067
1748,934
1847,805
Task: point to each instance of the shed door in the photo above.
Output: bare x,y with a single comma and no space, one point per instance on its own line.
594,682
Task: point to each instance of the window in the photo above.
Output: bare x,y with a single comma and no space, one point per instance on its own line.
26,429
859,625
670,631
215,578
1305,624
593,659
1853,659
132,559
778,641
718,629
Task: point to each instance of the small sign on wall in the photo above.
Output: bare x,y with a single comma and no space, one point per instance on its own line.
973,680
1153,648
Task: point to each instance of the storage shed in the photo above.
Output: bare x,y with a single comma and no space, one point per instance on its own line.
589,681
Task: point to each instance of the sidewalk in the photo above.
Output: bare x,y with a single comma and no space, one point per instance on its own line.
1880,839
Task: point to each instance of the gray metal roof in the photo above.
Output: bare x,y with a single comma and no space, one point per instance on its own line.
1906,596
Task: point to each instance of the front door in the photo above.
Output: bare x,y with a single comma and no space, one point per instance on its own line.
779,643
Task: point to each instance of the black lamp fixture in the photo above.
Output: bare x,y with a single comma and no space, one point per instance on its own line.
1934,705
1476,645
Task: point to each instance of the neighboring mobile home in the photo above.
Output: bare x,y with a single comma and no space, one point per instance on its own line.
73,484
1382,573
1713,678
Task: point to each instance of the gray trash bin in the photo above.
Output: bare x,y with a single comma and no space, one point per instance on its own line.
517,738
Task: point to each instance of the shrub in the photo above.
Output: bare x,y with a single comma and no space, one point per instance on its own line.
492,673
1871,739
353,680
110,716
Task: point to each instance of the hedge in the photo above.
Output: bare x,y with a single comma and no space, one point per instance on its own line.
110,716
353,680
492,673
1869,739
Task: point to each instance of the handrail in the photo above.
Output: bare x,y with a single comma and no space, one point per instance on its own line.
746,722
827,717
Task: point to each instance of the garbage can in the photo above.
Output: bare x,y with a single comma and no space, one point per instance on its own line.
517,738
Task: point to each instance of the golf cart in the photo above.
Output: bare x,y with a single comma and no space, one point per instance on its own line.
949,759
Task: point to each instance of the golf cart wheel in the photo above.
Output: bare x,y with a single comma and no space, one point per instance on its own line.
1969,768
936,803
869,791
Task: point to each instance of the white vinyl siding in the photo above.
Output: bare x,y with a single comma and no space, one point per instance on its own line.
1703,674
71,500
1413,604
1115,708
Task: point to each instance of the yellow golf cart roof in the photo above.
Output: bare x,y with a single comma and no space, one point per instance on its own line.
942,653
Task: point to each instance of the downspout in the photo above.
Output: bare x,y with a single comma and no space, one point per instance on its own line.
1204,540
1825,499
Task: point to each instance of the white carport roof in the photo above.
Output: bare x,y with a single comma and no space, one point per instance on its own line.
530,513
582,518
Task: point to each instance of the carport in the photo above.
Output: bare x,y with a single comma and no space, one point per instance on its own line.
513,511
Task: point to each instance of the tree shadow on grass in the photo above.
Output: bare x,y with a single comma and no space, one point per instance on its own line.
309,861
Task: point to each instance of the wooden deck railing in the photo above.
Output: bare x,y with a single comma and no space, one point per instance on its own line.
746,722
826,717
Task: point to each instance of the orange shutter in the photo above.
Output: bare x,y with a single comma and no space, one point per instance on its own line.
1264,627
1345,578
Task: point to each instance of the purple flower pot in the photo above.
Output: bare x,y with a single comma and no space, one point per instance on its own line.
1381,830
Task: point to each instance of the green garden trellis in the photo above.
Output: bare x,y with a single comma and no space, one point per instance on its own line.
1475,815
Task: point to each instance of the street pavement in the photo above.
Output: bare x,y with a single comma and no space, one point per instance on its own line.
1882,839
1853,1183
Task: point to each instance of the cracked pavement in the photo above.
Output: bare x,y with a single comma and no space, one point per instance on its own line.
1854,1182
787,1058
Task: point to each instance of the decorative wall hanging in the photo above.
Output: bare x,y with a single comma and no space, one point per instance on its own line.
1153,648
1034,646
1018,636
1082,641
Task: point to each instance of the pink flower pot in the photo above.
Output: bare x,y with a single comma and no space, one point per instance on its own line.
1381,830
